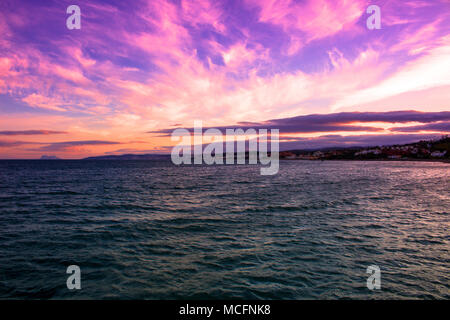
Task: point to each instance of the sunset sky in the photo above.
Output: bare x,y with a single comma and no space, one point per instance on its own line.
138,69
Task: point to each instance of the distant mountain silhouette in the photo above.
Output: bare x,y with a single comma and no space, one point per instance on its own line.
45,157
131,157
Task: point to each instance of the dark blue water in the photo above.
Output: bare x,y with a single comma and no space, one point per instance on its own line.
151,230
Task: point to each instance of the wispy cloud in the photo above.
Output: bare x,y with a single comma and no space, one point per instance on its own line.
4,144
64,146
30,132
344,121
434,127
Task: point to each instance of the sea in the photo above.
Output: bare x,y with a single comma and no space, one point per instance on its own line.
153,230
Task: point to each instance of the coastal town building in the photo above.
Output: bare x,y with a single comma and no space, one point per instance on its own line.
422,150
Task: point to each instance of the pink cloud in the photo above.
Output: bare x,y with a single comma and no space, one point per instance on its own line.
203,12
317,18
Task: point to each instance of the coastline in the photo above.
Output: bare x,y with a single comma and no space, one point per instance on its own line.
374,160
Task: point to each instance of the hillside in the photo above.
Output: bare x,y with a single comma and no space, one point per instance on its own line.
422,150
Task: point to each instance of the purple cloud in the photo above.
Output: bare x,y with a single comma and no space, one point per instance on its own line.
11,143
436,127
30,132
335,122
62,146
